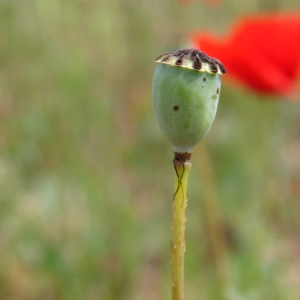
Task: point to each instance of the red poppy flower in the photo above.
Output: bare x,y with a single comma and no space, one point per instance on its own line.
262,52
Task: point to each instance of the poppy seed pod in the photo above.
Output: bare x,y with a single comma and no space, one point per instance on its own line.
186,91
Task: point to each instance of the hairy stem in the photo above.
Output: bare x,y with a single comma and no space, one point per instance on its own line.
182,167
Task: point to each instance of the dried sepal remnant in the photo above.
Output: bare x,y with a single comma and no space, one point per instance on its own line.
192,59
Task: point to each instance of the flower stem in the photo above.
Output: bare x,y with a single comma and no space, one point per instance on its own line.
182,165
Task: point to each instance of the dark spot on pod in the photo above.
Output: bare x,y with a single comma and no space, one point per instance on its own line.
197,63
176,107
218,90
204,79
178,62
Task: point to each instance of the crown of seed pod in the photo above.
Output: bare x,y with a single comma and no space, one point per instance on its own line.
186,91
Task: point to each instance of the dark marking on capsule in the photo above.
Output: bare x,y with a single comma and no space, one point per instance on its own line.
193,53
178,62
162,55
222,68
220,65
204,79
177,53
176,107
213,67
197,63
181,53
166,57
198,58
204,58
218,90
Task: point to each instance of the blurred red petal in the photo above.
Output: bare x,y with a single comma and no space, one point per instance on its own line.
261,52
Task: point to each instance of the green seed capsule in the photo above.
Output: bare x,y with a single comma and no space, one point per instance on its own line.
186,91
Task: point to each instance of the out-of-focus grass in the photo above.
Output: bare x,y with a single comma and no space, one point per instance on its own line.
86,177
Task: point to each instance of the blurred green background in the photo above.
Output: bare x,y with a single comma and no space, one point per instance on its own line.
86,177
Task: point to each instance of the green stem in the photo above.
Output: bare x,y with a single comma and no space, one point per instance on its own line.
182,167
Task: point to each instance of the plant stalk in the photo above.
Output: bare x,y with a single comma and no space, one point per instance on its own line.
182,165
